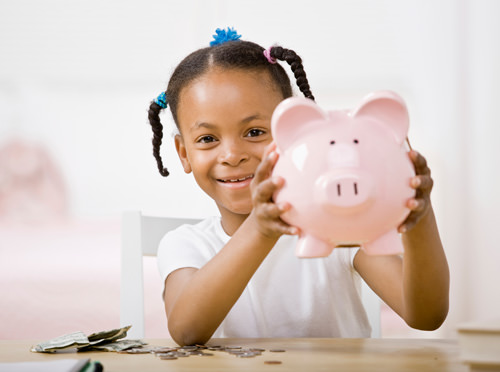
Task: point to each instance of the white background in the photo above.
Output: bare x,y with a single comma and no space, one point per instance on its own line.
78,76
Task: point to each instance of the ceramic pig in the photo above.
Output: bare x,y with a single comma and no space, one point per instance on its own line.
347,173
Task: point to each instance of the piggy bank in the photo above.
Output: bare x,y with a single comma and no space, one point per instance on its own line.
347,173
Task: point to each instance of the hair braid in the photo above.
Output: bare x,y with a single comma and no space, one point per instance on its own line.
154,120
295,63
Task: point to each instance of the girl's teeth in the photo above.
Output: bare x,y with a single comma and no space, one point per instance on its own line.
238,179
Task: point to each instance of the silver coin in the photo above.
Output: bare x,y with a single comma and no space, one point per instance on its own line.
170,357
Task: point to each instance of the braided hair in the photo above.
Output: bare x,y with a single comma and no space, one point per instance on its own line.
243,55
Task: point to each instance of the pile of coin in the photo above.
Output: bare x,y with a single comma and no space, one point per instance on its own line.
172,353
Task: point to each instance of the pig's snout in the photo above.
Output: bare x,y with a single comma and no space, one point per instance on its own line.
346,191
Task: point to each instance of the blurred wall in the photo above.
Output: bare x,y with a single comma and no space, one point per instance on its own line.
78,76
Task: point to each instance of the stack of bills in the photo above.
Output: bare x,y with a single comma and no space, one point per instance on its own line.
105,341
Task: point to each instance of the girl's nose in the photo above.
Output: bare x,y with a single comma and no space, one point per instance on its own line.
233,154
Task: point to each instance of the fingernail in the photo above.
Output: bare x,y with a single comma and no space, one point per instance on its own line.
272,156
278,181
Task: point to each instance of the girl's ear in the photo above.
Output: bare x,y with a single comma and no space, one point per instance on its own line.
390,109
181,151
291,117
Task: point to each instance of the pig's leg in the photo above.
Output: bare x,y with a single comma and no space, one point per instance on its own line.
387,244
309,246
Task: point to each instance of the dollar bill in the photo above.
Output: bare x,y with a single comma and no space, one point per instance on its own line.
116,346
75,339
108,336
81,341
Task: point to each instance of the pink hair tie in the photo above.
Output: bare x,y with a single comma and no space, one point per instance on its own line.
267,54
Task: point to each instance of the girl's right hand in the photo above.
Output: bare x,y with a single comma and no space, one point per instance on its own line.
265,211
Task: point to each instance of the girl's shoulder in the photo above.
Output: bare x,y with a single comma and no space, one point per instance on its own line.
206,232
189,245
209,226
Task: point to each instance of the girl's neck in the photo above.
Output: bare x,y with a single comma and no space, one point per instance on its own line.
231,221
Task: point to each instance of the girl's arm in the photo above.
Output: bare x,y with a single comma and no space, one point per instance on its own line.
197,300
416,286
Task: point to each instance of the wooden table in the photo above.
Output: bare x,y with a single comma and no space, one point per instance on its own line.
300,354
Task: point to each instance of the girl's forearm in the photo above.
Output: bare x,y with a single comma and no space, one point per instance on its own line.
212,290
425,276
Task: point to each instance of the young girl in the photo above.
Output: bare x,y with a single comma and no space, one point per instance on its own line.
236,275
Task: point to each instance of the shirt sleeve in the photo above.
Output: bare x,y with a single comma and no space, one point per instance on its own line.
353,252
180,248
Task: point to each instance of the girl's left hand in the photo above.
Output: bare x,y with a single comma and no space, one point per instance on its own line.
422,183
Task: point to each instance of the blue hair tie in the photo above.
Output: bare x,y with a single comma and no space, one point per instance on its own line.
221,36
161,100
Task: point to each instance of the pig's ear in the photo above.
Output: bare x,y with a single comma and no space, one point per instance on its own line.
389,108
291,117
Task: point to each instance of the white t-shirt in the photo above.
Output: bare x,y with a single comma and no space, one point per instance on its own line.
287,296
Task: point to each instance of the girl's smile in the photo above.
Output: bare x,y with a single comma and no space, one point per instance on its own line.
236,182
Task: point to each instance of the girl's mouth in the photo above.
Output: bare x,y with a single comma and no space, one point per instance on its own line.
235,180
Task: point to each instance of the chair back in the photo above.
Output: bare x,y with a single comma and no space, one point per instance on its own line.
141,236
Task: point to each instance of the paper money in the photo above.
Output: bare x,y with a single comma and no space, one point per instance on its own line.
83,342
75,339
108,336
116,346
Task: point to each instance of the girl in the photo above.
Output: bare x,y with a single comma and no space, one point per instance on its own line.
236,275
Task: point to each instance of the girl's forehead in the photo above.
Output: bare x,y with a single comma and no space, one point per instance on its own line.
218,78
221,94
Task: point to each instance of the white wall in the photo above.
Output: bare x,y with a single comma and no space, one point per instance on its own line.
78,77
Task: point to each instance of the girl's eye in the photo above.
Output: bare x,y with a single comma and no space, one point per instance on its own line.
206,139
255,132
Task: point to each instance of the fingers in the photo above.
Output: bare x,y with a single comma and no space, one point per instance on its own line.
263,191
270,148
419,162
407,225
416,205
265,168
264,185
270,213
421,182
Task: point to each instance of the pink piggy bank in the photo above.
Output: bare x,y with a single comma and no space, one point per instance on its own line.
347,173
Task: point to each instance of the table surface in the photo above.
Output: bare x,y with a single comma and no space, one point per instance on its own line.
301,354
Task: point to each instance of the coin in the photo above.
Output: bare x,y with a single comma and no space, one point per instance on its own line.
272,362
169,357
188,348
159,350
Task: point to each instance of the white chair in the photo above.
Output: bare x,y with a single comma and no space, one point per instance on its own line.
141,236
372,304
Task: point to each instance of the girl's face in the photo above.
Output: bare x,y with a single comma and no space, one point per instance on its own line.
225,124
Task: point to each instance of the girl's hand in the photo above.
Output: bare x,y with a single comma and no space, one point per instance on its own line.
422,183
265,211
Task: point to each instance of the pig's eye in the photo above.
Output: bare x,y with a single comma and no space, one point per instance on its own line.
332,142
355,141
